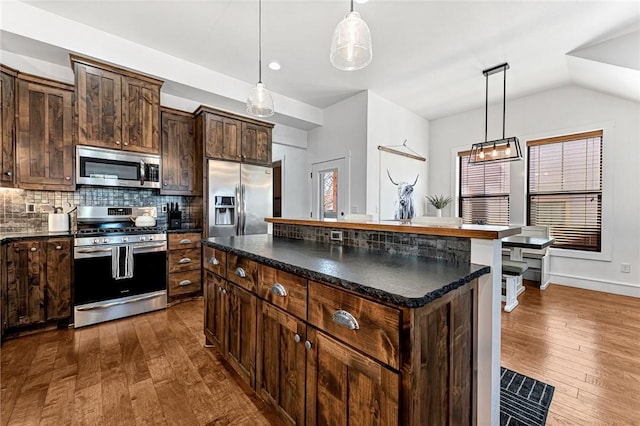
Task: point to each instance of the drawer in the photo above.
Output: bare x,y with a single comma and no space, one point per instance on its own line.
285,290
368,326
215,260
183,241
184,260
184,282
242,271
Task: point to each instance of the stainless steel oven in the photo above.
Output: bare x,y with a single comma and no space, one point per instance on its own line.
105,167
119,270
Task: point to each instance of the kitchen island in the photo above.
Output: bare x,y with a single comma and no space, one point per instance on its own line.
386,324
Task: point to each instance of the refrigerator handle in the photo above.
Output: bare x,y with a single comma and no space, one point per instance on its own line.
238,214
244,209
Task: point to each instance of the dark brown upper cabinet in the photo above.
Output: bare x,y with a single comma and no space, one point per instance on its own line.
7,125
116,108
44,143
181,154
231,137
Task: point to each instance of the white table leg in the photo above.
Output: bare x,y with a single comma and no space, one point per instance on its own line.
515,253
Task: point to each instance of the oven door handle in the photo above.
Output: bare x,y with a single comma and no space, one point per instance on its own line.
121,302
142,248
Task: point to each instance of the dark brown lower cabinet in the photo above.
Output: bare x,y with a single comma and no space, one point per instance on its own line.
230,324
241,332
345,387
25,283
281,361
58,288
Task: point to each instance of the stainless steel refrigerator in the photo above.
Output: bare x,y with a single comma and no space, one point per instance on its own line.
240,197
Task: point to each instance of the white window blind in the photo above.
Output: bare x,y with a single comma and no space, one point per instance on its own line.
565,189
484,191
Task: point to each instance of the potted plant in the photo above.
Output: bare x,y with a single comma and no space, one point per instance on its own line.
439,202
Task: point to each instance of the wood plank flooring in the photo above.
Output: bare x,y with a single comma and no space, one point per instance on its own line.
586,344
153,368
150,369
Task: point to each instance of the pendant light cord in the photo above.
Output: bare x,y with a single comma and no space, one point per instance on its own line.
486,107
504,99
352,5
260,41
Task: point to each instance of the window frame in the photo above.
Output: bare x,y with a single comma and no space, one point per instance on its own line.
568,250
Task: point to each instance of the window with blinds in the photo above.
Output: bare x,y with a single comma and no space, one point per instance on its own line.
484,191
565,189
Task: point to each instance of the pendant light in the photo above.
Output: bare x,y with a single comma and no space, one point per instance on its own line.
260,103
505,149
351,43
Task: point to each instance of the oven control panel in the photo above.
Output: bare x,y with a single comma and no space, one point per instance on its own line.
120,239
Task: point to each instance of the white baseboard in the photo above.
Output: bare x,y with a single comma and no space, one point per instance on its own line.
623,289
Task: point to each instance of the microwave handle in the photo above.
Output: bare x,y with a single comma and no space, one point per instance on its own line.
142,172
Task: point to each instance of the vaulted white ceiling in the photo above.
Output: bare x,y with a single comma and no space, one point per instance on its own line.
428,55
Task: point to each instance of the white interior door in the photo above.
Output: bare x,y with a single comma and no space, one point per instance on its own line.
330,189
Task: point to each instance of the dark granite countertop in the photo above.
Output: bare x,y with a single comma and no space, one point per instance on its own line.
184,230
410,281
21,236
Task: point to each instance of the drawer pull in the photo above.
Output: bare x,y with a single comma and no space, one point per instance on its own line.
214,261
33,249
241,273
307,344
345,319
58,247
185,241
185,260
184,283
297,338
279,290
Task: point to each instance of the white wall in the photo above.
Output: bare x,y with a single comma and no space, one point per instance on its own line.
390,124
344,135
556,112
295,192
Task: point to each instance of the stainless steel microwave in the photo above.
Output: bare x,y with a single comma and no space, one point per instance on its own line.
106,167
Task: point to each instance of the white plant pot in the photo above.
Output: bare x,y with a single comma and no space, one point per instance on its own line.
438,212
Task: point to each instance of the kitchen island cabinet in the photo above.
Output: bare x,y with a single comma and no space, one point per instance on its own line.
384,339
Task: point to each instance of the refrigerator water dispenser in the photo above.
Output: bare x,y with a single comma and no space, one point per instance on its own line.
225,210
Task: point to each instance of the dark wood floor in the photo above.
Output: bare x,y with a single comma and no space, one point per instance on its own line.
150,369
153,368
586,344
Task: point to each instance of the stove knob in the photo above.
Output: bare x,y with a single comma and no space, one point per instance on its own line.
142,238
150,238
125,239
96,241
105,240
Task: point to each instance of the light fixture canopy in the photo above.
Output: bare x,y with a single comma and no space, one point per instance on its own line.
260,102
351,48
505,149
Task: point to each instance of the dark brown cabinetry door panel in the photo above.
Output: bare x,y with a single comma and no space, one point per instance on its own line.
44,143
4,317
223,137
215,294
346,388
241,332
25,283
281,360
58,288
7,128
98,107
256,144
140,116
181,165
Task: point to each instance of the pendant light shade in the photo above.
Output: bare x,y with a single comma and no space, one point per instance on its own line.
351,43
259,102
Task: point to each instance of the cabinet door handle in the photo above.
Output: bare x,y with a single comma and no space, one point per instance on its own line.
8,173
185,241
117,142
126,144
307,344
279,290
184,283
241,273
345,319
67,178
33,249
224,291
165,184
214,261
297,338
185,260
58,247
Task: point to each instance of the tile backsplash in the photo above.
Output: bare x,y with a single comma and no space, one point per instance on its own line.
13,202
454,249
